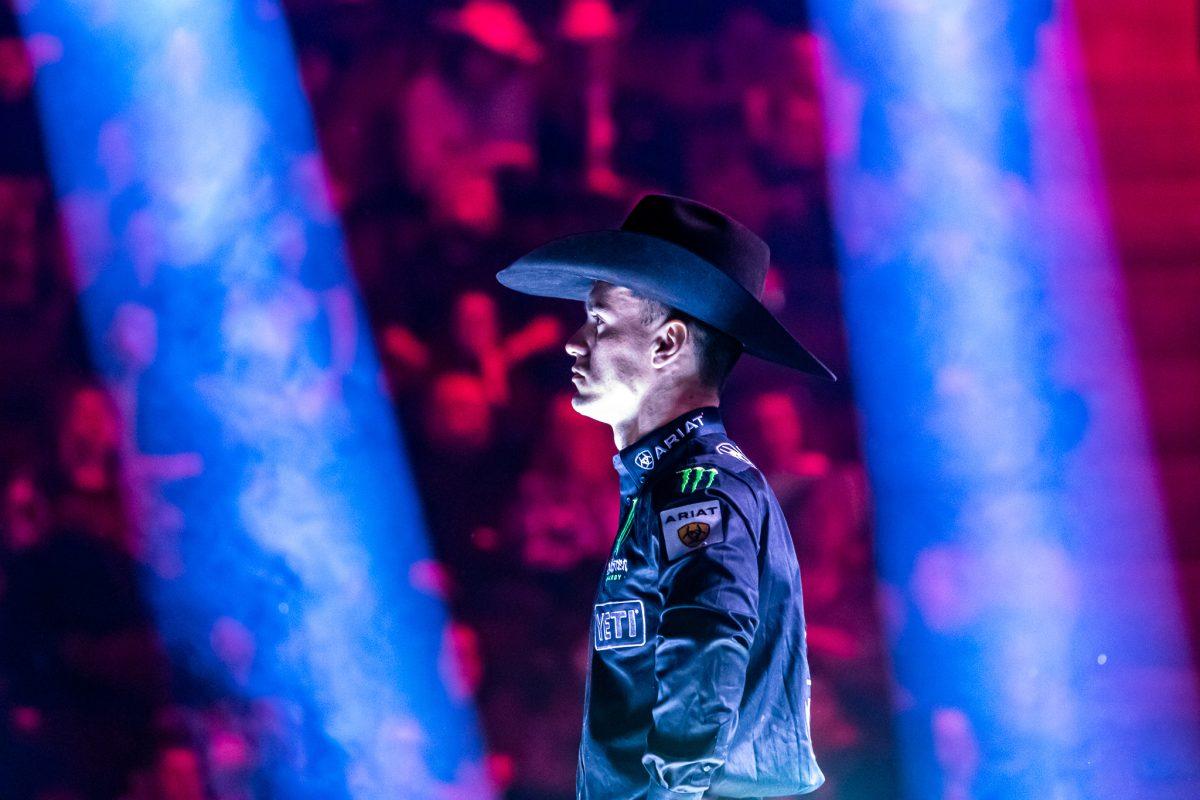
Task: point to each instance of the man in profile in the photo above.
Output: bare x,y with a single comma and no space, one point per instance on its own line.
698,683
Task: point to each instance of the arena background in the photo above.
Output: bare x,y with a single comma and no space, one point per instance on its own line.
294,501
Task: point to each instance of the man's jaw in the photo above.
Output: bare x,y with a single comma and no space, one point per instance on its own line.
585,405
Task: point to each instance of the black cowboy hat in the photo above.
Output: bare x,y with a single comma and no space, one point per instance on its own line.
681,253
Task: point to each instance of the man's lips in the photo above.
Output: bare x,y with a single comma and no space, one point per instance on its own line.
577,374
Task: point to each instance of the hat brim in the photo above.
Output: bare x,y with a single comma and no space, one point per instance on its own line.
652,267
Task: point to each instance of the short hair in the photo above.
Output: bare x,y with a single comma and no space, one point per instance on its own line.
716,351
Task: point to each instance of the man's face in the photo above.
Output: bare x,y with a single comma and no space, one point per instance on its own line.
612,351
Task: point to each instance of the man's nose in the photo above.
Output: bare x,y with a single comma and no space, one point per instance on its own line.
574,346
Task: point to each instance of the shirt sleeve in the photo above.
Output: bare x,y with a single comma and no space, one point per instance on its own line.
708,578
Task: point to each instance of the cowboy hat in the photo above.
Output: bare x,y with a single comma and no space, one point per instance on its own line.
681,253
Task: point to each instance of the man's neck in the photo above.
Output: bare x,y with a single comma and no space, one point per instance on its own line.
657,409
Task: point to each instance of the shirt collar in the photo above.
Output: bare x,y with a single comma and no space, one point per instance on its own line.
662,446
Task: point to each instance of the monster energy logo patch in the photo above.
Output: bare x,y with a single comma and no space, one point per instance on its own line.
617,569
695,475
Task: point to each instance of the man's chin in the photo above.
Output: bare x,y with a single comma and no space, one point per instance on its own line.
585,405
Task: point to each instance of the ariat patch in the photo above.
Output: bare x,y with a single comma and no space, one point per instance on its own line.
619,624
687,528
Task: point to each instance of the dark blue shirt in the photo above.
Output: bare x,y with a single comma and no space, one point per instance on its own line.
699,671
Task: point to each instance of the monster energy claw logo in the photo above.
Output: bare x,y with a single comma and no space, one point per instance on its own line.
695,475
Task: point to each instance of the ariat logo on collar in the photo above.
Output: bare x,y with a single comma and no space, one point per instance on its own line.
686,529
651,455
676,436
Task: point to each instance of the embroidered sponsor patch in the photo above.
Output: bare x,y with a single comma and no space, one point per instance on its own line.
618,568
687,528
732,450
619,624
692,476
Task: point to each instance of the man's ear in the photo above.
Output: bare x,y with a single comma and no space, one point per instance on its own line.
668,343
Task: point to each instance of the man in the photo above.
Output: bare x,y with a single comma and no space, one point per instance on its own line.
698,682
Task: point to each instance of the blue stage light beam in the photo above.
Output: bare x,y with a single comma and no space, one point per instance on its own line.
1036,631
276,508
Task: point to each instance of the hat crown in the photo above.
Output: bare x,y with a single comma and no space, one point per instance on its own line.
720,240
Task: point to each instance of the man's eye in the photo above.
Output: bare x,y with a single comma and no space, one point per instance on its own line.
596,317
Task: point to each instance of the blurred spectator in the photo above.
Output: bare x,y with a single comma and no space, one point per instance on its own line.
26,514
778,431
564,511
79,650
343,112
592,25
20,148
460,664
468,114
846,649
38,333
957,752
475,344
943,592
458,418
234,645
85,484
476,335
476,332
178,775
406,358
782,109
938,614
402,757
20,201
827,508
464,462
133,342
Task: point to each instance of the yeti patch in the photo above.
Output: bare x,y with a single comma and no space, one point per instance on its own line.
619,624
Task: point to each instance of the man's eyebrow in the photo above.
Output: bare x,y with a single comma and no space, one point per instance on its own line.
594,305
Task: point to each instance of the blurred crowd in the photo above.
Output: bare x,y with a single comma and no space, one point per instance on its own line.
454,137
